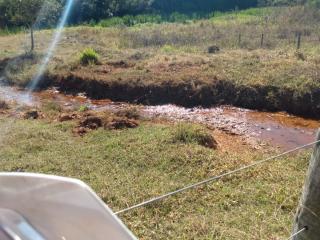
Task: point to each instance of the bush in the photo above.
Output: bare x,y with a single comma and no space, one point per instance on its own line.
189,133
89,56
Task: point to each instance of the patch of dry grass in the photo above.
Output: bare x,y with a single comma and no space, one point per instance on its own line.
175,56
179,51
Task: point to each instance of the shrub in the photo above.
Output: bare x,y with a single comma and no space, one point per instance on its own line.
189,133
89,56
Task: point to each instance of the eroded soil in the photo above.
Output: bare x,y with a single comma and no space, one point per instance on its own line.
276,129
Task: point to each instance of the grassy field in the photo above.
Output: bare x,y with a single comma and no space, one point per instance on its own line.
126,167
181,46
170,62
168,56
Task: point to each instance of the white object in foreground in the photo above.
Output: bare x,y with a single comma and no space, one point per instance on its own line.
42,207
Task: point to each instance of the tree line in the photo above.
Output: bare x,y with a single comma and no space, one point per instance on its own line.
45,13
15,13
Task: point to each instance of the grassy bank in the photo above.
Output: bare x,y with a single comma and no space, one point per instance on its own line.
174,61
128,166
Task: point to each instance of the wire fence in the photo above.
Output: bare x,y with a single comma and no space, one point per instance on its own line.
215,178
298,233
230,37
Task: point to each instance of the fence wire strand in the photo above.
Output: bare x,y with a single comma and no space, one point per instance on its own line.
297,233
214,178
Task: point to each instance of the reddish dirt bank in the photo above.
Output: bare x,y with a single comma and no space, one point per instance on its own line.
220,92
278,129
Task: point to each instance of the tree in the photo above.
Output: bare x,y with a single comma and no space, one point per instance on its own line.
27,13
281,2
20,13
49,14
204,6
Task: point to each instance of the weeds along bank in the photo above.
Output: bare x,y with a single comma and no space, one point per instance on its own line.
247,58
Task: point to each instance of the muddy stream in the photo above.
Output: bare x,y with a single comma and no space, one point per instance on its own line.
277,129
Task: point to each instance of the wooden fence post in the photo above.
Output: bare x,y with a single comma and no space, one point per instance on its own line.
32,38
308,213
262,40
299,41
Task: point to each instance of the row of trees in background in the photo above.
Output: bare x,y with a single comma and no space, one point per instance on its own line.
287,2
17,13
13,13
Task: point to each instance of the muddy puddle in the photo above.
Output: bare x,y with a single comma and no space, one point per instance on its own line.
276,129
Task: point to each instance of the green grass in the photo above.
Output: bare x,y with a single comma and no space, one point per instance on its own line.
188,133
11,31
89,57
273,63
129,166
243,16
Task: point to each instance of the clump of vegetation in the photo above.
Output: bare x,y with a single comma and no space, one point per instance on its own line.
31,114
89,56
213,49
111,22
189,133
120,123
129,112
51,109
107,120
83,108
52,106
300,56
4,105
168,48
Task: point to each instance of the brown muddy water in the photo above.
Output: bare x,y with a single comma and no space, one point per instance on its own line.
276,129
